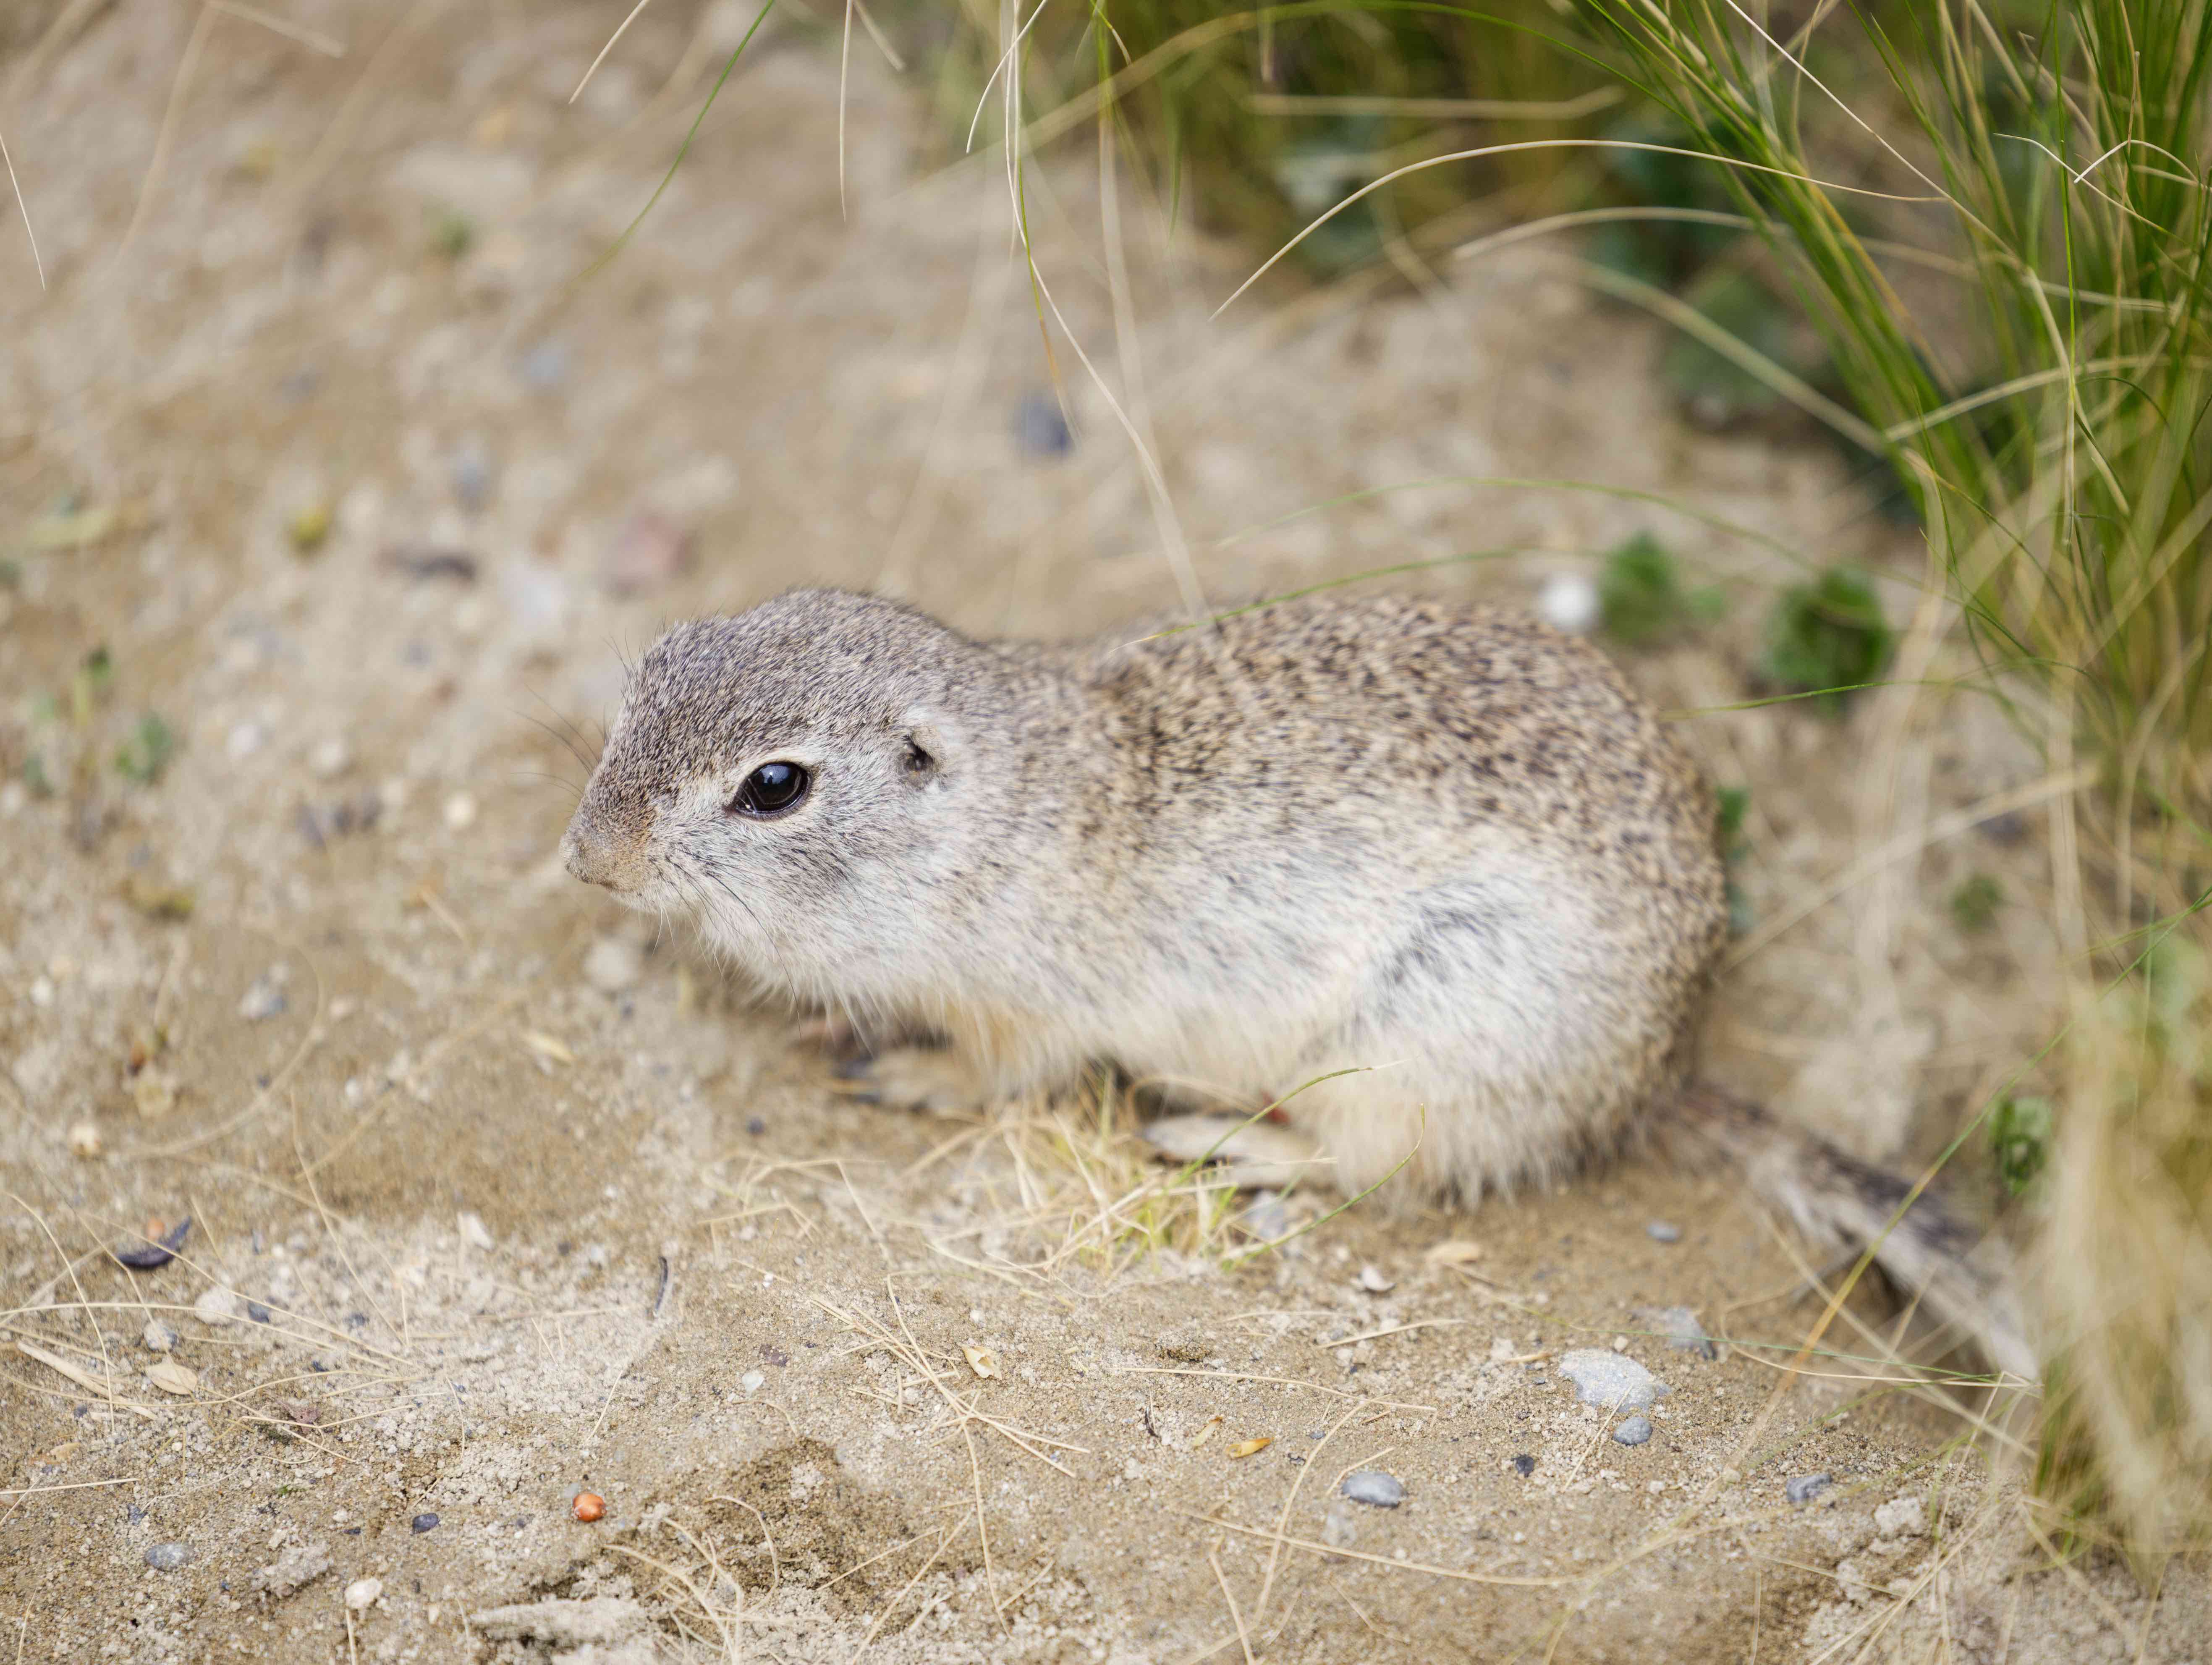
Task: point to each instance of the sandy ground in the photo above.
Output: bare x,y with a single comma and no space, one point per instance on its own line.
497,1195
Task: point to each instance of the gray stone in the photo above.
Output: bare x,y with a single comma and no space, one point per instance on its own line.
168,1558
1373,1487
1682,1330
1614,1380
1040,429
472,476
1665,1231
545,366
264,997
1634,1431
1806,1487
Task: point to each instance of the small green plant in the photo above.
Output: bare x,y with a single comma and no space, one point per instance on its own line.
1641,597
89,686
146,754
1827,637
2019,1139
453,234
1735,804
1974,904
308,527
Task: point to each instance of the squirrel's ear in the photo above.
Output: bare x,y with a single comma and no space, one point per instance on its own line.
926,748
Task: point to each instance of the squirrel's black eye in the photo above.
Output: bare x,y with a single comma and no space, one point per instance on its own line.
771,790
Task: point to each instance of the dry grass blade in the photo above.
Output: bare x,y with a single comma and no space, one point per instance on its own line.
23,209
1236,1616
620,29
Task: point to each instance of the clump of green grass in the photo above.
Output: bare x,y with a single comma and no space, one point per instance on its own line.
1254,122
144,756
1735,805
1827,638
1975,902
1641,597
453,234
2019,1139
2051,423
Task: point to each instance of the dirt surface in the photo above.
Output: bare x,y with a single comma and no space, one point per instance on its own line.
497,1194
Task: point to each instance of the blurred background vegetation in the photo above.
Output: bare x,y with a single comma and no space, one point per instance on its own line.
1969,242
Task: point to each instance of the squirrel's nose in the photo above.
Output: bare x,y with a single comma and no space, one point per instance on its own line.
591,857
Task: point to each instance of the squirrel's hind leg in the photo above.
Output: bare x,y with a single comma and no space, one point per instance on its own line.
914,1078
1257,1155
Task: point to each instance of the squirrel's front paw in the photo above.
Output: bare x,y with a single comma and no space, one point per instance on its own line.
934,1078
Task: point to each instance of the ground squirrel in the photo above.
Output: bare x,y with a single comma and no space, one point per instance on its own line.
1443,846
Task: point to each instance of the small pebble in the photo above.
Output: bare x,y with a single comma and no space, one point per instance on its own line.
1664,1231
1524,1465
1267,1219
1634,1431
257,1312
1610,1379
330,758
218,1306
1569,603
588,1506
424,1522
159,1337
362,1594
265,996
474,1232
244,740
775,1355
752,1382
756,1125
84,1139
1373,1487
545,366
473,477
612,965
1040,429
428,560
1806,1487
1372,1280
460,812
168,1558
1683,1332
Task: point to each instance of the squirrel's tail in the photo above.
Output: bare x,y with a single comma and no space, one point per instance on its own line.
1841,1202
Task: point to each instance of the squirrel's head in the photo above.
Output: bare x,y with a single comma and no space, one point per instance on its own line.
788,778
